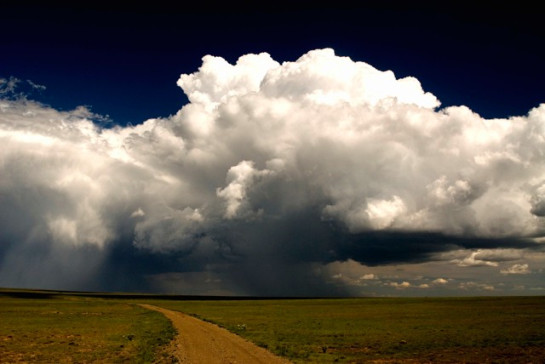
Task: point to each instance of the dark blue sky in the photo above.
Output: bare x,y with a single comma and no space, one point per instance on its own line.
124,61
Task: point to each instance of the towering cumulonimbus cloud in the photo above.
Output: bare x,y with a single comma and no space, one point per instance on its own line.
270,170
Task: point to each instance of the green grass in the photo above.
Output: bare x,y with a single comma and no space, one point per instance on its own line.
454,330
66,329
83,328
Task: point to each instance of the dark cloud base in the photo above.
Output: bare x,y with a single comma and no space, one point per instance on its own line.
266,258
380,248
282,258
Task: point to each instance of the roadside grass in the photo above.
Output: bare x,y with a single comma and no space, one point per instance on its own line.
385,330
69,329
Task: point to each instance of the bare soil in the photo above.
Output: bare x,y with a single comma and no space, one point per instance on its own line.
203,342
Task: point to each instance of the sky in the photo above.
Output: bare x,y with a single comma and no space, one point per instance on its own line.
370,150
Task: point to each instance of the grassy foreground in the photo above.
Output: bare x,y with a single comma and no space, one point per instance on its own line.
386,330
106,328
69,329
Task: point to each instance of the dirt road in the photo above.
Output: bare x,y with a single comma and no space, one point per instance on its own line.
202,342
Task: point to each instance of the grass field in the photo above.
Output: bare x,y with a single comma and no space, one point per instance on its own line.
438,330
64,328
67,329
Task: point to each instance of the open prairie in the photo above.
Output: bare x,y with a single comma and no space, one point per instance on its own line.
111,328
362,330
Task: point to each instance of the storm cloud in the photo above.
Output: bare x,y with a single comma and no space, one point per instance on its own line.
271,173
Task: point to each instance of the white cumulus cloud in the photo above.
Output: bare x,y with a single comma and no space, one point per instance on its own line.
402,285
473,260
266,152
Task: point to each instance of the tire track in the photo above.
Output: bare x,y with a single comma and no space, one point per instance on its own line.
202,342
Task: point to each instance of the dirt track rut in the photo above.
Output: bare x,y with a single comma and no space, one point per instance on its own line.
202,342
